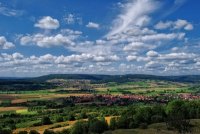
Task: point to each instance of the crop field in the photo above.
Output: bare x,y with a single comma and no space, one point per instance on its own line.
56,126
41,129
7,109
145,88
21,98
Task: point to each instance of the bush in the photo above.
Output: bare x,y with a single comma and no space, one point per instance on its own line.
113,123
65,131
80,127
83,115
49,132
46,120
5,131
59,119
37,124
34,132
98,126
71,117
156,119
22,132
143,126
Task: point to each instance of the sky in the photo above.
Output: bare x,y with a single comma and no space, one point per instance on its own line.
155,37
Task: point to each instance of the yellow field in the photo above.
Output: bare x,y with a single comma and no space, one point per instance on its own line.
41,129
16,101
17,98
4,109
21,111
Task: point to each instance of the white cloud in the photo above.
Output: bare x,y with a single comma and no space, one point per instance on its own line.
72,19
163,25
9,12
47,22
93,25
163,37
4,44
177,56
152,53
47,41
66,38
131,58
155,65
51,61
138,46
183,24
179,24
134,13
17,56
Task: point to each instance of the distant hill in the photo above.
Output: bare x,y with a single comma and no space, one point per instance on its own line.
119,78
38,83
95,78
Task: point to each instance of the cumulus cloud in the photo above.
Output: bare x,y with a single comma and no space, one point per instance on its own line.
93,25
152,53
47,41
179,24
47,22
131,58
4,44
49,60
66,38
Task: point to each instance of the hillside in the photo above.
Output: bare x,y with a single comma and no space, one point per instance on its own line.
119,78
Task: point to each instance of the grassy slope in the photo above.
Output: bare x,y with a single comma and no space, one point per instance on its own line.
157,128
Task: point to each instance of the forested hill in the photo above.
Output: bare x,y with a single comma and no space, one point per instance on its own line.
106,78
119,78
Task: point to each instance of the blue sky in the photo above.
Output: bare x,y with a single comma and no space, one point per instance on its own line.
99,37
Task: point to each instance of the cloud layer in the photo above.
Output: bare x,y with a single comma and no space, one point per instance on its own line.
135,41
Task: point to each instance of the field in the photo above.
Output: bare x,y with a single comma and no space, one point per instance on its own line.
56,126
65,102
41,129
7,109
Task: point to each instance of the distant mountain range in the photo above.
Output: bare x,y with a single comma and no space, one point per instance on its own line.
108,78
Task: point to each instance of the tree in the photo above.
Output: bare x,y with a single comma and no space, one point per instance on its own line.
46,120
98,126
80,127
178,116
143,115
113,123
